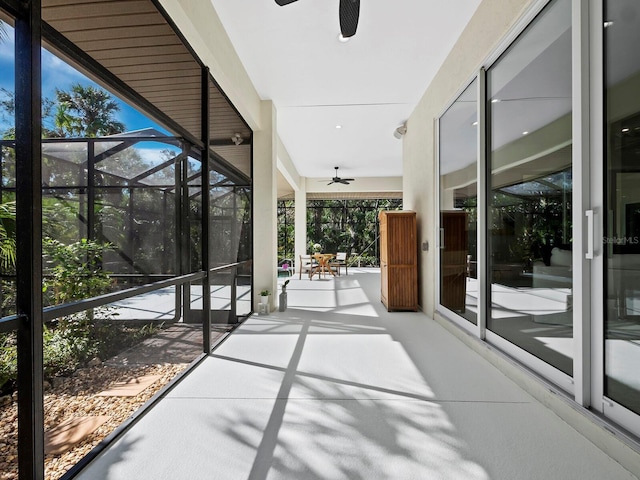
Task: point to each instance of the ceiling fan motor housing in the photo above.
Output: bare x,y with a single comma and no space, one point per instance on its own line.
349,13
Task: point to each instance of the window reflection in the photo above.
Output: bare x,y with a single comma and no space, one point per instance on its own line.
530,187
458,205
622,224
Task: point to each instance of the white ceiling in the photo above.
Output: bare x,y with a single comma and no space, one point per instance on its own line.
369,85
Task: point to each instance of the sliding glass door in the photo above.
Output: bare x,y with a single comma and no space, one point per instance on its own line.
507,168
458,141
529,104
621,245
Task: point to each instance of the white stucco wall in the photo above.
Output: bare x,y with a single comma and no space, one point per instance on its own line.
265,147
490,24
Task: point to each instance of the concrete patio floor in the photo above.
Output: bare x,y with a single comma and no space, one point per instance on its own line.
337,388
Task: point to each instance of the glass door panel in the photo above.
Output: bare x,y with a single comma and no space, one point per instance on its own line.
530,190
458,145
622,209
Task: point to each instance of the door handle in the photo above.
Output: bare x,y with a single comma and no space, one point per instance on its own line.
590,232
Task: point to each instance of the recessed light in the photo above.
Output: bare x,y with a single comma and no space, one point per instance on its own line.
338,127
475,123
625,129
525,133
342,39
495,100
608,23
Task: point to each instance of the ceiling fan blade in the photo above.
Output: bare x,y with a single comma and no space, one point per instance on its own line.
282,3
343,181
349,13
332,181
349,179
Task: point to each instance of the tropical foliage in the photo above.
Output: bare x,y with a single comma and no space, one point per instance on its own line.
7,236
82,111
73,265
86,111
337,226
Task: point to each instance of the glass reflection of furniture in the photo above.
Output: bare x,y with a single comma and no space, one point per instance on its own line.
322,265
622,233
454,261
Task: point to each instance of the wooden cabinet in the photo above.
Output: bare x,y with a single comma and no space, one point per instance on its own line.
399,260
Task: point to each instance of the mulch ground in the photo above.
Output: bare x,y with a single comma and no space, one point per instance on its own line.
76,396
165,354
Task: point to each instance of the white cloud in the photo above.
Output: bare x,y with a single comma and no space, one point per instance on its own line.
7,45
56,73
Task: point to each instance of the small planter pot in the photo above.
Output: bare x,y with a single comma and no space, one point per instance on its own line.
264,299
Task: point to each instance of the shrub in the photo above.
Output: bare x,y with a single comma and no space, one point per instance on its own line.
67,346
74,271
8,361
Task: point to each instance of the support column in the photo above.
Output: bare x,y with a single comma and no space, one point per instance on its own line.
206,238
300,222
28,30
265,215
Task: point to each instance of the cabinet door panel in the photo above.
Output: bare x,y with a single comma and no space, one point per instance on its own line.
402,288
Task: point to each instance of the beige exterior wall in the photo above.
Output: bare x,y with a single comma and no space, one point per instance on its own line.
286,167
488,27
300,224
265,224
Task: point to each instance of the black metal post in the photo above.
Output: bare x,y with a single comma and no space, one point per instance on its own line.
83,228
234,295
165,233
91,191
177,234
28,29
235,243
131,225
185,231
206,281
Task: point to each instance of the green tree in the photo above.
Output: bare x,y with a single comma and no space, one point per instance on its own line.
8,236
86,112
345,225
8,111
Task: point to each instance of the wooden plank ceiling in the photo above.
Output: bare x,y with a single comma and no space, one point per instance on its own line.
133,40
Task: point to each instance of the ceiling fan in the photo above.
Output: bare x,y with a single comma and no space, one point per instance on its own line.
337,179
349,13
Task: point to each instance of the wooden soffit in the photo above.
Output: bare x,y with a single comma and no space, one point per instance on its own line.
134,42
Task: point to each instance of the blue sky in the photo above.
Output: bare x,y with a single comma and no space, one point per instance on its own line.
58,74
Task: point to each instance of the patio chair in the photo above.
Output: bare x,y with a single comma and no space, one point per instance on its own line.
340,260
306,265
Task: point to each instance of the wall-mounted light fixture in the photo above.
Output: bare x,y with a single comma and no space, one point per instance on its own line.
237,138
400,131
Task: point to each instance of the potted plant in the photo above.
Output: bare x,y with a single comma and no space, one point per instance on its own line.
264,296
